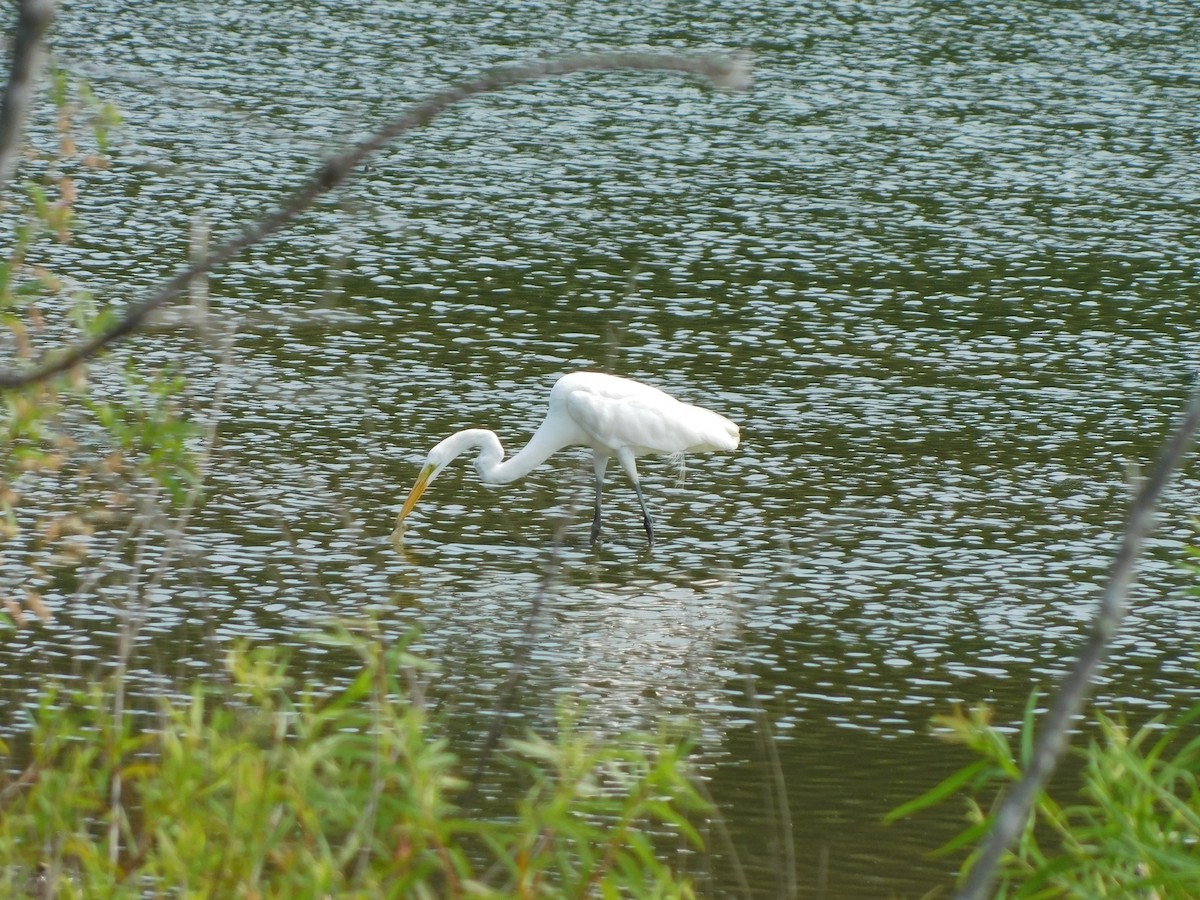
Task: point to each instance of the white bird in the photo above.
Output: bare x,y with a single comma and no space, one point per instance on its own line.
617,417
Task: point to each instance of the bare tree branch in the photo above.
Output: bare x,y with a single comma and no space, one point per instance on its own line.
1014,810
33,18
725,72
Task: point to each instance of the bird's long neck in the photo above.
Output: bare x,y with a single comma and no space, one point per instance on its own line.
491,465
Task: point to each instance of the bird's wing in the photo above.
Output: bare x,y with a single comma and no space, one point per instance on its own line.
647,422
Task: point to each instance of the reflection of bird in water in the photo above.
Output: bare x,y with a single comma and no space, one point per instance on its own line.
616,417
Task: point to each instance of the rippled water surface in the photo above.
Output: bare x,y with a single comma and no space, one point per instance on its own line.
940,264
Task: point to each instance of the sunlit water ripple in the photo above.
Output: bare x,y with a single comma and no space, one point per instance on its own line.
941,266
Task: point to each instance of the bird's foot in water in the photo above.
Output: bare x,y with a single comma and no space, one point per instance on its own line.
649,532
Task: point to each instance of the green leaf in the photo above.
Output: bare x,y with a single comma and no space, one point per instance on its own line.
939,792
1027,729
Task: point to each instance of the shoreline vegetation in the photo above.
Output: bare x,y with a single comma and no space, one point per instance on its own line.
263,786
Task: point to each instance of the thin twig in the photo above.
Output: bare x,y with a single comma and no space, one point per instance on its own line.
508,690
140,588
27,777
33,18
787,882
725,72
1014,810
716,818
133,616
366,824
176,531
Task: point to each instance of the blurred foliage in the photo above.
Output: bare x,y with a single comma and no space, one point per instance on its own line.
1133,830
91,444
259,788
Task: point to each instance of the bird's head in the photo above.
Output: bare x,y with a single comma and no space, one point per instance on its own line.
439,457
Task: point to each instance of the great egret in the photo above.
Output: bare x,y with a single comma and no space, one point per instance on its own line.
616,417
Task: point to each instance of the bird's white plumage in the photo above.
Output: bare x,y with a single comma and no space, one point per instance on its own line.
616,412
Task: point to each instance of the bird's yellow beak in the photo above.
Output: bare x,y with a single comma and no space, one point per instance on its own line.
414,495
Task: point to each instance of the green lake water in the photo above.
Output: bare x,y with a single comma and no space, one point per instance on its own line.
940,264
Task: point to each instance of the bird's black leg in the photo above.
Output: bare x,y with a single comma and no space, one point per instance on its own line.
601,463
646,520
626,458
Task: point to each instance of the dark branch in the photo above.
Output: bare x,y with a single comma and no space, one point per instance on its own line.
1014,810
722,71
33,18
